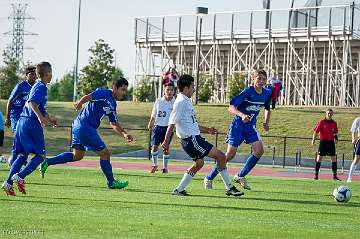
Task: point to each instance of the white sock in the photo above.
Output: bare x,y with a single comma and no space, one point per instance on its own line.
351,171
184,182
154,157
226,178
165,161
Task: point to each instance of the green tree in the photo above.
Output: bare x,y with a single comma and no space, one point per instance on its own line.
206,88
236,85
144,90
100,71
62,90
9,75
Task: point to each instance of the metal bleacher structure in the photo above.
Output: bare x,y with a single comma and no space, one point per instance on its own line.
314,50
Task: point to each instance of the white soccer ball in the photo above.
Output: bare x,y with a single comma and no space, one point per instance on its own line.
342,194
3,159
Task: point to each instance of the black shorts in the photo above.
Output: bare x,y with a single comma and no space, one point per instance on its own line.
357,147
327,148
1,138
196,147
158,135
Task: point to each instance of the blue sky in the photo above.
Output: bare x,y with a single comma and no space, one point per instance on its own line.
112,20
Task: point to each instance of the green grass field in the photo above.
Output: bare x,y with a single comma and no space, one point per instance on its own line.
74,203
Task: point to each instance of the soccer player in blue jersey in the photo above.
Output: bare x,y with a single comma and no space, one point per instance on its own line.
29,136
246,107
102,102
17,100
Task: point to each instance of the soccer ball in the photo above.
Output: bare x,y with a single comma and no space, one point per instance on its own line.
3,159
342,194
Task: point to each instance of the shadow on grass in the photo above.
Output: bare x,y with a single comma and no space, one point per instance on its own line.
163,204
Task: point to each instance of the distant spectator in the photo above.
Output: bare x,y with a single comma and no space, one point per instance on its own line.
171,76
276,86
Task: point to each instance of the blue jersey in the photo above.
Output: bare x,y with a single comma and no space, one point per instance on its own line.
250,102
38,95
18,98
102,104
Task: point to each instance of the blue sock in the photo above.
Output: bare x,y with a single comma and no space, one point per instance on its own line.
107,169
30,166
15,167
13,156
213,173
61,158
250,164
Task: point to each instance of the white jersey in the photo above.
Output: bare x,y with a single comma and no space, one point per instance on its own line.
184,118
161,111
355,127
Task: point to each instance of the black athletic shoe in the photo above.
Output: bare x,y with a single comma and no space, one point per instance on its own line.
178,193
233,191
336,178
316,177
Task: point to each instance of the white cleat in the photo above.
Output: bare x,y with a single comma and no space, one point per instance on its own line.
242,181
207,184
349,180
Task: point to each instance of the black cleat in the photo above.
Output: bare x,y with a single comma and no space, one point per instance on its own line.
316,177
336,178
233,191
182,193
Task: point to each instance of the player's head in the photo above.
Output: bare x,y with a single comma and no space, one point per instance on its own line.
329,114
186,85
259,78
44,71
30,73
119,88
169,90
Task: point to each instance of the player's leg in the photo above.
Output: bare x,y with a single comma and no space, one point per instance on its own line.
166,156
106,167
221,161
317,166
251,161
354,162
186,179
1,143
14,169
234,138
154,158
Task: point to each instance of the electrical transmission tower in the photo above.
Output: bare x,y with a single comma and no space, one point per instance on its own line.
18,17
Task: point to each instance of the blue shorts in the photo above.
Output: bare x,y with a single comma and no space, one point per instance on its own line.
357,147
196,147
86,139
158,135
239,132
29,137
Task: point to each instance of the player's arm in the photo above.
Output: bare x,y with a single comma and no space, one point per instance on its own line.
354,128
151,123
233,110
313,138
166,142
336,138
7,122
208,130
121,131
83,100
53,121
353,138
266,123
35,107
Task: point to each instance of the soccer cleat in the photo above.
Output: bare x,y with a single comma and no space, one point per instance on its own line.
8,189
233,191
243,182
178,193
153,169
207,183
316,177
336,178
118,184
349,180
165,170
43,167
19,182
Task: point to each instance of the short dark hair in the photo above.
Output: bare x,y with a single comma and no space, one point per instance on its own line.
329,109
169,84
261,72
120,82
30,68
184,81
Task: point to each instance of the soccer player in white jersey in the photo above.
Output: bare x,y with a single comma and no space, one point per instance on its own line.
355,128
188,130
158,125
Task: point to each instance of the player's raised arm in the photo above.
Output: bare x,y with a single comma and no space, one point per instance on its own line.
83,100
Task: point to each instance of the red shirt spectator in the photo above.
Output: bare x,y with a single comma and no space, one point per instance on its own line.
327,129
